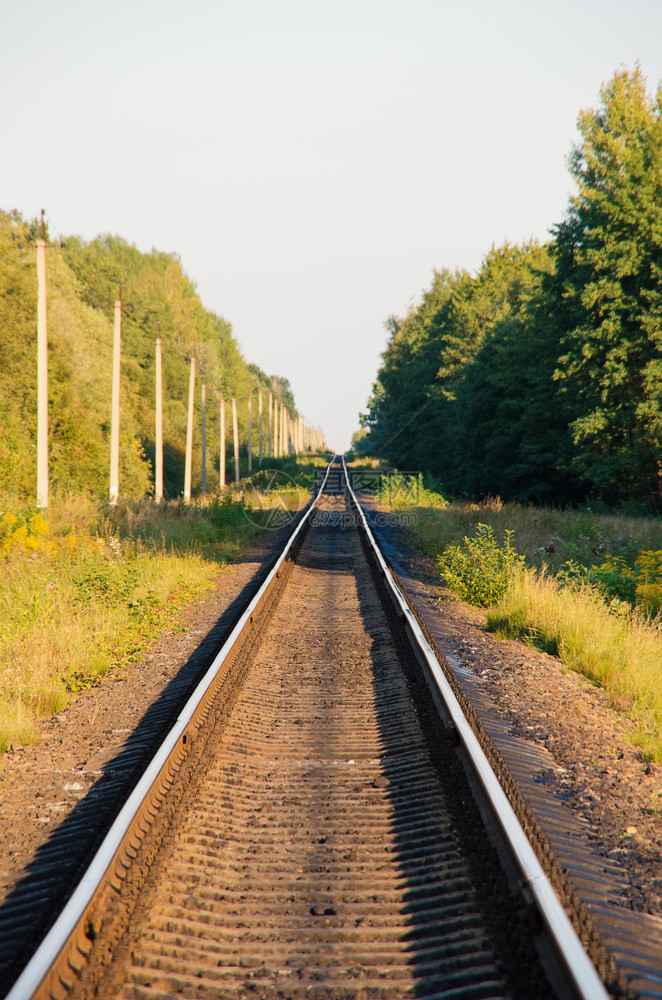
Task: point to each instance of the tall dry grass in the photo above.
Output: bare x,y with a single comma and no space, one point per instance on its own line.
546,536
615,647
87,589
553,604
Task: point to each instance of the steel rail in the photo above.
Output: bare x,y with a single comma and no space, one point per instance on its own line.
579,966
70,938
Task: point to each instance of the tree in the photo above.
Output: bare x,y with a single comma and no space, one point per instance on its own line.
406,403
609,267
283,390
465,382
512,430
159,301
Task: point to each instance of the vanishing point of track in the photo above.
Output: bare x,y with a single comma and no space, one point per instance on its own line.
315,829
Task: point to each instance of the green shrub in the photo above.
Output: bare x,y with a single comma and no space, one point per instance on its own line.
480,570
399,490
615,579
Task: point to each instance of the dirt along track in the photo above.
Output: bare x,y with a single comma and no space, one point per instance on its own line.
319,855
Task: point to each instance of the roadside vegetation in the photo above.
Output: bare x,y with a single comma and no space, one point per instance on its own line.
85,589
583,585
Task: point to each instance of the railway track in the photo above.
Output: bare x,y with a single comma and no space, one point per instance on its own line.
314,825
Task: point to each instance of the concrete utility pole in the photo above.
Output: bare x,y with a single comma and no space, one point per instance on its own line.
222,448
42,378
276,429
203,486
115,404
189,434
259,416
235,437
250,435
271,414
158,436
281,424
283,412
273,444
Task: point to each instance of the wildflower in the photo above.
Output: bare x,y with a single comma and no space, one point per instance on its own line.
39,525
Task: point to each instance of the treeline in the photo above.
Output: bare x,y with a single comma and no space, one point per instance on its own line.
540,378
159,300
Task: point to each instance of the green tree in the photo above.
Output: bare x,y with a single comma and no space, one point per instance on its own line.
406,404
283,390
464,382
159,300
512,429
609,265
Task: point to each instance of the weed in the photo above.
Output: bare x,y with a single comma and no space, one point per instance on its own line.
480,570
84,591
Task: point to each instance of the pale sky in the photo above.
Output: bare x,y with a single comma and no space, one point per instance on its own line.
310,161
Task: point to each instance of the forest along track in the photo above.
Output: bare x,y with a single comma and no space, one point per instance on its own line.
327,844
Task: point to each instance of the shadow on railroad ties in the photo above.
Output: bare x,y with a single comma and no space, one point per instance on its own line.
458,933
33,904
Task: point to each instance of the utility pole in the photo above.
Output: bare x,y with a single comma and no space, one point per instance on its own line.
271,414
158,453
259,414
115,403
281,420
203,487
276,425
283,413
235,437
250,434
222,448
42,374
189,434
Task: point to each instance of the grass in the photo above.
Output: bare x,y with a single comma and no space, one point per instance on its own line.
545,536
86,590
588,590
616,648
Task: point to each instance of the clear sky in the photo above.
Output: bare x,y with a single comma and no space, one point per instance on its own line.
311,161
